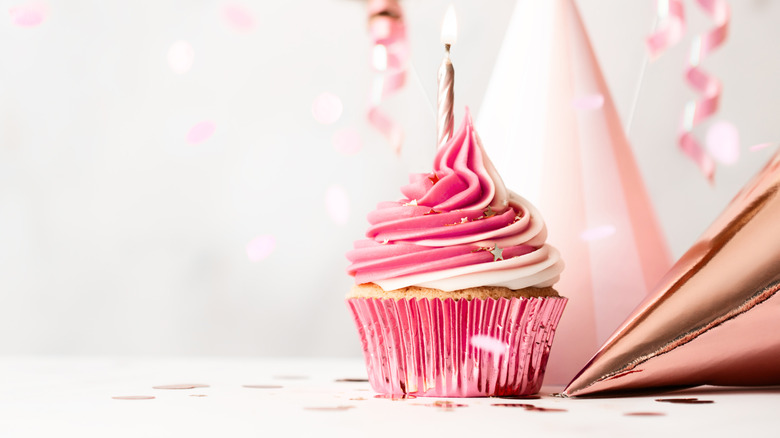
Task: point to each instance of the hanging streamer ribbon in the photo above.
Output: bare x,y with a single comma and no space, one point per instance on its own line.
707,85
390,55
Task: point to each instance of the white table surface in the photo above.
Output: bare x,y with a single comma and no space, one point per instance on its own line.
56,396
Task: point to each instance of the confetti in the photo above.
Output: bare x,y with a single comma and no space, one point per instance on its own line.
644,414
758,147
347,141
180,57
181,386
337,204
260,247
589,102
686,401
201,132
489,344
597,233
238,17
134,397
326,108
395,397
28,15
352,380
723,142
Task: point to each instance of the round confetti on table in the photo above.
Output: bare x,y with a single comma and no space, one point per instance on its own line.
684,401
337,204
723,142
238,17
181,386
28,15
260,247
201,132
597,233
327,108
644,414
589,102
352,380
180,57
395,397
347,141
489,344
134,397
263,386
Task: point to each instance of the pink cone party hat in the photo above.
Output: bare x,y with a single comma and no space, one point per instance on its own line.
549,122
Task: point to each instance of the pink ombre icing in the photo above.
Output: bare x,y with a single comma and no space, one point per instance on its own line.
442,233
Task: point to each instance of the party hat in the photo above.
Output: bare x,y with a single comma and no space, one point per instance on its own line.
550,125
715,317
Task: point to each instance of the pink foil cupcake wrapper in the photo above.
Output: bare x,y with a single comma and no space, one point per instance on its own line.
423,346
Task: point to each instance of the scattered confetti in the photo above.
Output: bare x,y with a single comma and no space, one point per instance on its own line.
352,380
528,407
489,344
723,142
686,401
201,132
180,57
181,386
644,414
758,147
198,395
358,398
134,397
337,204
28,15
597,233
263,386
395,397
347,141
260,247
326,108
589,102
330,408
238,17
444,405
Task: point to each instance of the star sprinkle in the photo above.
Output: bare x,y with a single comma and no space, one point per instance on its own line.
434,179
412,203
489,212
464,220
498,253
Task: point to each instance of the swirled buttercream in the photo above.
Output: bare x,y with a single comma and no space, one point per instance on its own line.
457,227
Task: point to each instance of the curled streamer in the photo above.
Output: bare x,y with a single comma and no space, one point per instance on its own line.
390,50
707,85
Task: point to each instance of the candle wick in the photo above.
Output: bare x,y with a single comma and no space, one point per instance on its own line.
447,48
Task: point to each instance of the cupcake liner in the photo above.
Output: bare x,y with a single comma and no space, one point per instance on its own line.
426,346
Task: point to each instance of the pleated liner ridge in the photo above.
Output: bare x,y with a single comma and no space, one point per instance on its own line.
423,346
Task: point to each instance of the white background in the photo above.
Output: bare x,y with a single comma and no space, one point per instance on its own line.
117,236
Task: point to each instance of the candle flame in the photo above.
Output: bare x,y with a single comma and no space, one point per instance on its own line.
449,28
380,57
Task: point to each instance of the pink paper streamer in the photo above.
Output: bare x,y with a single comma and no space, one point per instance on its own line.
671,30
28,15
707,85
387,29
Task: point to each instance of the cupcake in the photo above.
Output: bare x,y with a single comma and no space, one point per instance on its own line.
453,292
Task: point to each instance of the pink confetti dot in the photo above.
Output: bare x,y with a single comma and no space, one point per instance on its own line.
238,17
589,102
326,108
28,15
201,132
489,344
758,147
347,141
723,142
597,233
337,204
180,57
260,247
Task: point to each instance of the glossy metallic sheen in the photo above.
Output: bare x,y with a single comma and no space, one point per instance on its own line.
715,316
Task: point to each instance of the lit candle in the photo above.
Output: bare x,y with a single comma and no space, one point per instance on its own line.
446,121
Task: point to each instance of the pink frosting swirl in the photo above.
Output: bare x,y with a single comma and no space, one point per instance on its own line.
457,227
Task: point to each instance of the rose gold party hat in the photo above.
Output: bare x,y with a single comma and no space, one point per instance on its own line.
551,127
715,317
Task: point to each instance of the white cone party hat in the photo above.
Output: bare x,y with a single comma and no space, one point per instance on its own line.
550,126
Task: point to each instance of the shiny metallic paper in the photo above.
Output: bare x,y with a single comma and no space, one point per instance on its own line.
715,316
